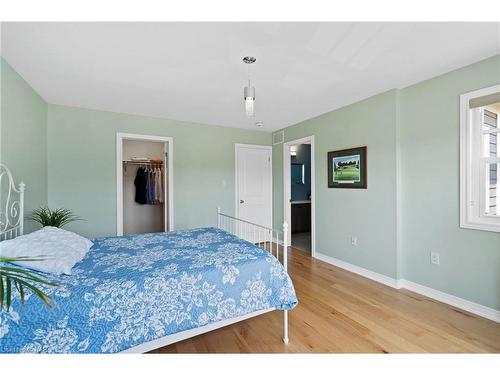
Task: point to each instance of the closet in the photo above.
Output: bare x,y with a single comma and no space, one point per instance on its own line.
145,186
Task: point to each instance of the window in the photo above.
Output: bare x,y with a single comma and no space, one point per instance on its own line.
480,159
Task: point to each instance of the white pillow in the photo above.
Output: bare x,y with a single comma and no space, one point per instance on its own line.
60,249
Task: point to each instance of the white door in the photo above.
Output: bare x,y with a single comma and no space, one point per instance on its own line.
254,184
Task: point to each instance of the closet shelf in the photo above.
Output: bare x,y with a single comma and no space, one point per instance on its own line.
142,162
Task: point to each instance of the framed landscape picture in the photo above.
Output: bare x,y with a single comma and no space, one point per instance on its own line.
347,168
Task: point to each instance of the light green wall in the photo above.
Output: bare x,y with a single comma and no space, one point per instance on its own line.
414,130
469,259
82,163
341,213
23,134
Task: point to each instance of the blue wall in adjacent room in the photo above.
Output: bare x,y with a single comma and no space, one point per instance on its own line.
301,191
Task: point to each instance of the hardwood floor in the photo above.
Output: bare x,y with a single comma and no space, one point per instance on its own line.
341,312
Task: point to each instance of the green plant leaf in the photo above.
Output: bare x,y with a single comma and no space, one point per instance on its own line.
8,293
38,292
1,291
21,259
21,279
20,289
55,218
17,272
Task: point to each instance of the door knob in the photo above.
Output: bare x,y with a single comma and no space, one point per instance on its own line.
242,201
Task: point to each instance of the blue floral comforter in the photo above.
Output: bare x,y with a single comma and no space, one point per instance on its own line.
133,289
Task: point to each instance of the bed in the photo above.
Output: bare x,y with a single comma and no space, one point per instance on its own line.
133,294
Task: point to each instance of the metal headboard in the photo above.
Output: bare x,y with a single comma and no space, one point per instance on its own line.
11,205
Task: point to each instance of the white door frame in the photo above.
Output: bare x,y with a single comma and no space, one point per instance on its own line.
120,137
287,189
238,146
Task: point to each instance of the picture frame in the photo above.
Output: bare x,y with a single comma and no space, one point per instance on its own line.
347,169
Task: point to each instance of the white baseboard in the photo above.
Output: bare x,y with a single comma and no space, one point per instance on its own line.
378,277
463,304
472,307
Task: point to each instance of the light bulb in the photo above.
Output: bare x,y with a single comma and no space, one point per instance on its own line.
249,96
249,106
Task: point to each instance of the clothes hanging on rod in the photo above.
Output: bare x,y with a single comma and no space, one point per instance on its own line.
140,183
158,186
149,185
162,181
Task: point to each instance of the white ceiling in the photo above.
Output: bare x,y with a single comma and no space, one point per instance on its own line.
193,71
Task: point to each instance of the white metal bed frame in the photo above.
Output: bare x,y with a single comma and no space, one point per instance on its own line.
266,238
12,225
11,209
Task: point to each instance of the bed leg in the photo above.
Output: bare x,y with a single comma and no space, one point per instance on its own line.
285,327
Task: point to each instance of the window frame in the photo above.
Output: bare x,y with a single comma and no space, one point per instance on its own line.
473,166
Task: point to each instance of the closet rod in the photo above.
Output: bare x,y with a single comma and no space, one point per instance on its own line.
136,162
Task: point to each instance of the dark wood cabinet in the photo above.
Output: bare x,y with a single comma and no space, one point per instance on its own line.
301,217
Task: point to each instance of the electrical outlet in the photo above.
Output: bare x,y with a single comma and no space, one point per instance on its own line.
354,241
434,258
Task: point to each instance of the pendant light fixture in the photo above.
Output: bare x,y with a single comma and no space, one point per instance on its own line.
249,91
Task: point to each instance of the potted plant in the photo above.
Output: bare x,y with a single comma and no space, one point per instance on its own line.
20,279
54,218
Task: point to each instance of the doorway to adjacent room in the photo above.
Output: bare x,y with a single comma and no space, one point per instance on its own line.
299,194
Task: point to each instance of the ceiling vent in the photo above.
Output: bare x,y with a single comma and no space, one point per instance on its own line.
278,137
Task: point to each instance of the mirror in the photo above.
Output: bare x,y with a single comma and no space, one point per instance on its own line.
297,173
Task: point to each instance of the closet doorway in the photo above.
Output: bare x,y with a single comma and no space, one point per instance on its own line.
144,184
